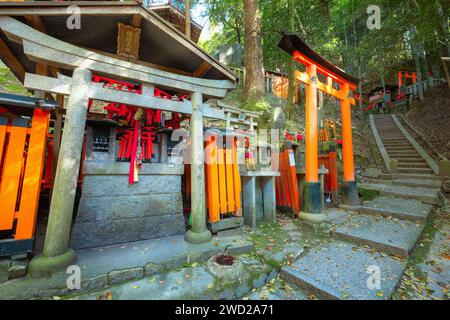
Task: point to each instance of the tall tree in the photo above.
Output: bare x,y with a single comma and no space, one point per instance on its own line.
253,54
292,83
187,13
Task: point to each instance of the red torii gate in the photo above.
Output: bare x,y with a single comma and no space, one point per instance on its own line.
315,65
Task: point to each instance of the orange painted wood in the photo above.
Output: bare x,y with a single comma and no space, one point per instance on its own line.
222,180
230,182
311,150
11,171
212,181
284,182
347,140
292,180
2,138
333,171
33,172
236,180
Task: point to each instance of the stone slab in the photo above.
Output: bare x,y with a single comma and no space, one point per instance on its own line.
123,168
413,210
226,223
117,185
338,270
103,233
416,176
118,276
96,209
423,183
391,235
423,194
96,264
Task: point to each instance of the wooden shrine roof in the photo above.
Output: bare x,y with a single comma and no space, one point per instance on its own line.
292,43
162,45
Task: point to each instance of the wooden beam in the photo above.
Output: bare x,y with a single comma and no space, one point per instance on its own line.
142,63
37,23
97,92
136,20
202,69
11,61
123,70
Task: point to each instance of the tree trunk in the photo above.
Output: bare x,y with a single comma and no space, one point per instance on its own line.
444,26
253,55
187,9
291,65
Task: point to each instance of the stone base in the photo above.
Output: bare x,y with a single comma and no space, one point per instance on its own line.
42,265
350,193
198,237
312,199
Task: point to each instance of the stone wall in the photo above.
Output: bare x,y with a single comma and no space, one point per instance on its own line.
111,211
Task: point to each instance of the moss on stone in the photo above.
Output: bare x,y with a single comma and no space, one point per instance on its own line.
367,194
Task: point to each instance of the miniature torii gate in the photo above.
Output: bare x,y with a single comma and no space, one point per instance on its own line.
45,49
315,65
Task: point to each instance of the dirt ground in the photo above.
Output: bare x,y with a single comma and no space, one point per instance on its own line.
432,118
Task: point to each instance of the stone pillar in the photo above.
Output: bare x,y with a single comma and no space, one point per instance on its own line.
249,200
269,199
57,255
350,189
198,232
311,186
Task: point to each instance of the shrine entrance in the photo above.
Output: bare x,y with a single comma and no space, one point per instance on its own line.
337,84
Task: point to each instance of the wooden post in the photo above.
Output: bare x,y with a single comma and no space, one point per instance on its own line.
311,187
198,232
56,253
350,190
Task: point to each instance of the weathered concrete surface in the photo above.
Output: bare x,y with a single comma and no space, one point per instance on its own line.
192,282
112,211
97,264
423,194
97,234
391,235
117,184
413,210
337,270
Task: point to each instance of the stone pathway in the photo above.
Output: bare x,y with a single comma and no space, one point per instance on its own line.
380,237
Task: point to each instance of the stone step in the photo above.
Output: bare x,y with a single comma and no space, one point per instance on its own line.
339,270
415,176
410,159
406,209
391,235
426,195
408,154
414,170
400,148
394,141
424,183
413,164
396,144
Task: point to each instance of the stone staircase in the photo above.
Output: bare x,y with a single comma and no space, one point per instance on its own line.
399,148
380,235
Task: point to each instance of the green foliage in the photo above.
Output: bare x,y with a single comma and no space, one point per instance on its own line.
10,83
338,31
